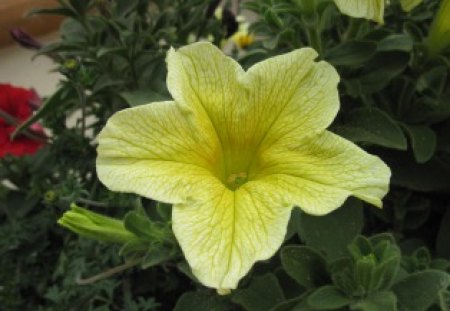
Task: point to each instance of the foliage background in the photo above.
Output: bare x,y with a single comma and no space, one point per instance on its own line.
394,103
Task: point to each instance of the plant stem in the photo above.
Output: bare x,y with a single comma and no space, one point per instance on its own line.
91,202
314,39
82,97
86,201
352,29
28,132
107,273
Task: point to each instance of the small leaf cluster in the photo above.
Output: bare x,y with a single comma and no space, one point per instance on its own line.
353,273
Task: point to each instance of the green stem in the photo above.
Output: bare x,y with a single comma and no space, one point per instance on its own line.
108,273
314,39
86,201
82,97
28,132
352,29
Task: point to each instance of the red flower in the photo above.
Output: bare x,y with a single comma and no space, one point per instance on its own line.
16,104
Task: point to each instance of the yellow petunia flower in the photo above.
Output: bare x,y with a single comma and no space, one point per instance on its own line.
234,152
408,5
439,33
371,9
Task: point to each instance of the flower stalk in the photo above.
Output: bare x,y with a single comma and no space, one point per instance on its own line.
28,132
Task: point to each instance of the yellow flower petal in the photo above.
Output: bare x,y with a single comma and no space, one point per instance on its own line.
205,82
155,151
408,5
249,110
224,232
369,9
439,33
291,94
322,171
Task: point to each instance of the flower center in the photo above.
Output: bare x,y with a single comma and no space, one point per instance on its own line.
235,180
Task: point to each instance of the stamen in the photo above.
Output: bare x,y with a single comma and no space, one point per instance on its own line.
237,179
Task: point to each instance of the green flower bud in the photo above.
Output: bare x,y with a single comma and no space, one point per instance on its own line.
71,64
50,197
95,226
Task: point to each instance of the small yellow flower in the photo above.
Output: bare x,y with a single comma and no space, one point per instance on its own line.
234,152
371,9
71,64
243,39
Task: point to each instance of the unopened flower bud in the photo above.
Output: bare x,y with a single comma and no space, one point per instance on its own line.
24,39
71,64
50,196
95,226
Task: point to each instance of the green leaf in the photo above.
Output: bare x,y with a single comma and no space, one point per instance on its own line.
47,108
294,223
112,50
186,270
396,42
55,11
105,82
79,6
133,248
386,272
444,300
343,276
351,53
423,141
164,210
406,172
272,42
253,56
381,69
262,294
372,125
440,264
142,96
364,272
360,247
73,31
156,255
418,291
272,18
379,301
294,304
328,298
333,232
125,7
305,265
433,80
307,7
143,227
388,257
202,301
442,240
